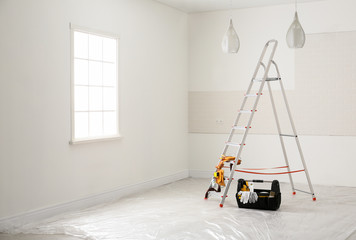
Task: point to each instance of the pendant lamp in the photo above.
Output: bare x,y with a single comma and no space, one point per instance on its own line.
295,35
230,42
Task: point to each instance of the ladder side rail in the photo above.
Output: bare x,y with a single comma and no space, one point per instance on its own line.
245,99
232,131
298,144
279,133
286,101
251,116
296,138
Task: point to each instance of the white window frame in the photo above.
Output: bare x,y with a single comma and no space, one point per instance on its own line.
75,28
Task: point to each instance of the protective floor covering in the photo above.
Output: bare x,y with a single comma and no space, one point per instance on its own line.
178,211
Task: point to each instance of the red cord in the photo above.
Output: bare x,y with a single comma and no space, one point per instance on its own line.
269,173
263,168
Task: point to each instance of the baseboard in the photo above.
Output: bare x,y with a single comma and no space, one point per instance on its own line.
200,173
11,223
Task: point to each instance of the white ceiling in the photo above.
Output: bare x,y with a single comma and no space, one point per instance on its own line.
191,6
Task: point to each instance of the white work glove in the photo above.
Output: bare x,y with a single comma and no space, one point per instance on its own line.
245,195
253,197
213,184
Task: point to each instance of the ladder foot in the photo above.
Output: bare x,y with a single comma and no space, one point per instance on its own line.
206,198
314,198
294,193
221,205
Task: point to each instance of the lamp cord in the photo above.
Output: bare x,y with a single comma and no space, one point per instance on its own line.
295,2
230,9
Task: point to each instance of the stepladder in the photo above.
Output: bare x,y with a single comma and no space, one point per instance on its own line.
228,165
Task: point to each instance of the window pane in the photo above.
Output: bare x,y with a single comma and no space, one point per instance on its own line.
95,98
95,73
81,125
80,45
80,72
109,74
109,50
95,47
109,98
110,123
81,98
95,124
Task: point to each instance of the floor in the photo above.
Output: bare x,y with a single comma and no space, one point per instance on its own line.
36,237
178,211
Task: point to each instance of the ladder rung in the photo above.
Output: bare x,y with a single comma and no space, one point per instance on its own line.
287,135
267,79
247,111
233,144
303,191
240,128
252,95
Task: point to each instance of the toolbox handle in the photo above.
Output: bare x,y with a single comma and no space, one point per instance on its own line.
258,181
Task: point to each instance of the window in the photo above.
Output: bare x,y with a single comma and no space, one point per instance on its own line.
94,86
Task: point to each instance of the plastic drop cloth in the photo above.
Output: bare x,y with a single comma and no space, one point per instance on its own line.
178,211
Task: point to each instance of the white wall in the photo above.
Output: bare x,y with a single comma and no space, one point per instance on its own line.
38,168
329,157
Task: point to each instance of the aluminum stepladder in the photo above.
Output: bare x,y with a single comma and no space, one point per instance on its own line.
246,128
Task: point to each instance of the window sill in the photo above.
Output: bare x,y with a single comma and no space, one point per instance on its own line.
93,140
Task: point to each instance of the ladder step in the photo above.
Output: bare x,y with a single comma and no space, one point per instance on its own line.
240,128
252,95
267,79
247,111
287,135
233,144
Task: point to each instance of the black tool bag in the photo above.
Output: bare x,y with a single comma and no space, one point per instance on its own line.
267,199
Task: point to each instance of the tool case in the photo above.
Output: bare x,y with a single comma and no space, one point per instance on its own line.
267,199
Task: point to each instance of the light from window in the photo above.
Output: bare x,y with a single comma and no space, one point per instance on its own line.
95,86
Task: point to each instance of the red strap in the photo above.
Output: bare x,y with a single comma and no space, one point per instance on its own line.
270,173
263,168
257,169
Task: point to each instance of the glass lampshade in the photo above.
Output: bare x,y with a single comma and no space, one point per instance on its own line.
295,35
230,42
